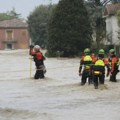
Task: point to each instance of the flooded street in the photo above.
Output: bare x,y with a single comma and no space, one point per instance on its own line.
57,97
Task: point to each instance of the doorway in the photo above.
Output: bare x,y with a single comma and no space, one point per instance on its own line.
9,46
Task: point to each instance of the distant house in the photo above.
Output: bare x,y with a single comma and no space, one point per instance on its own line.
112,27
13,34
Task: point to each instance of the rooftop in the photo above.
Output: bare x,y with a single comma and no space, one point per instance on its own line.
111,9
13,23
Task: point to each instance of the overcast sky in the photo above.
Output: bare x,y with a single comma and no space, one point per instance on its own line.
24,7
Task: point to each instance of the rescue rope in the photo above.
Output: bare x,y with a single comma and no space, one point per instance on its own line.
47,68
35,69
118,63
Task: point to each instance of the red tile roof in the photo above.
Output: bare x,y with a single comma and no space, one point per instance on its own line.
111,9
13,23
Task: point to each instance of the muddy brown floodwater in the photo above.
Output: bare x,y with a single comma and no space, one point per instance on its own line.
57,97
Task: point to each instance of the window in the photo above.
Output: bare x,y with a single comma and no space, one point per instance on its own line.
9,34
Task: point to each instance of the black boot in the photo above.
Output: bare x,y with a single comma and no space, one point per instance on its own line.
82,84
96,87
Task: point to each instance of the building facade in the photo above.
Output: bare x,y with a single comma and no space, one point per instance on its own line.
14,34
112,27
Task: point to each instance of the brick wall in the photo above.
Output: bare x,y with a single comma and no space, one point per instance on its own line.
2,37
20,36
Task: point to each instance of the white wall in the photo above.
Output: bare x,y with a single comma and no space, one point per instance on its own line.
112,27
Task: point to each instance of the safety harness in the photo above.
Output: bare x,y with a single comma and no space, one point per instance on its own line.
99,63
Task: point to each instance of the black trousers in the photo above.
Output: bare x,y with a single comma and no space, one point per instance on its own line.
86,74
39,72
98,79
113,76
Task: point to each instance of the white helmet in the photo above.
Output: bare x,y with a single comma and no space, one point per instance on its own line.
37,47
